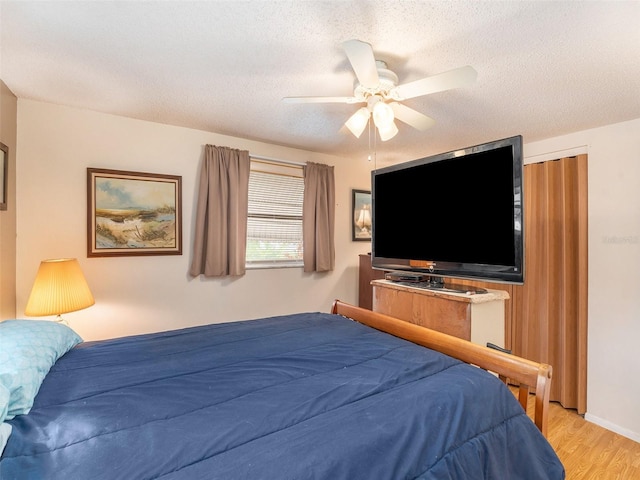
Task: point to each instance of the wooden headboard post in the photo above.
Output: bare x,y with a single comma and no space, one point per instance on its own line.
526,373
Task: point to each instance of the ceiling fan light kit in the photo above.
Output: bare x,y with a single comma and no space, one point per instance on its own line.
377,86
388,132
382,113
358,121
383,118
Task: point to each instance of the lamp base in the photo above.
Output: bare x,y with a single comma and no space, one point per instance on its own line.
61,320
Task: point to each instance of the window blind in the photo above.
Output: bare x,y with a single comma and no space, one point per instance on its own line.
274,223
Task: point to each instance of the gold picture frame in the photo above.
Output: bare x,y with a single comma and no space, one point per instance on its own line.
133,213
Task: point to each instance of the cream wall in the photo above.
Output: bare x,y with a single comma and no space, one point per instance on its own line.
8,119
144,294
613,375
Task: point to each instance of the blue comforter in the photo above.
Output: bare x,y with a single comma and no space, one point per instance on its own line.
293,397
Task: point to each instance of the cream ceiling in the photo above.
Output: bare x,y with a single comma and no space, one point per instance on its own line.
545,68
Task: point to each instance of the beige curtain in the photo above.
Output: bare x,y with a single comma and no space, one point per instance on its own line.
318,218
550,309
220,238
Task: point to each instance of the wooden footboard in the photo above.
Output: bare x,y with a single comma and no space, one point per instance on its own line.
526,373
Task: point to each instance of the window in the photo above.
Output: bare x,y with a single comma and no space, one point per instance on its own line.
274,223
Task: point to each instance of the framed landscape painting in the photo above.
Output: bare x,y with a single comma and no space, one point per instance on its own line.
133,213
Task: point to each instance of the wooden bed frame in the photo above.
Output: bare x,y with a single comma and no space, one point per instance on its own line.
524,372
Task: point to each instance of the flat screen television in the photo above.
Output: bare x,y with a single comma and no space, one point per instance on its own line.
456,214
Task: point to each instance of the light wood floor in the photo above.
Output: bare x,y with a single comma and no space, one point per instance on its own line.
589,451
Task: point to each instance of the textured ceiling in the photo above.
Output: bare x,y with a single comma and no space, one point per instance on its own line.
544,68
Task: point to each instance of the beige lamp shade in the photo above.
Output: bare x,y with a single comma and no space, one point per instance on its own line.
60,287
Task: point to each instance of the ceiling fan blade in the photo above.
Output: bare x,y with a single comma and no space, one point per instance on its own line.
360,55
411,117
320,100
456,78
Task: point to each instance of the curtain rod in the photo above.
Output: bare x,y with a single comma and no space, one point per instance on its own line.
277,160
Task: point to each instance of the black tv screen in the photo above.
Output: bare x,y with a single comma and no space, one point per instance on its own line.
456,214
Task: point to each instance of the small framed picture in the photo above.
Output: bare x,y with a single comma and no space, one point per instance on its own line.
133,213
361,215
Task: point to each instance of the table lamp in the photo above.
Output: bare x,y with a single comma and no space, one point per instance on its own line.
59,287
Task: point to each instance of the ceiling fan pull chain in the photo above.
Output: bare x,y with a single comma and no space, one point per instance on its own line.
369,157
375,147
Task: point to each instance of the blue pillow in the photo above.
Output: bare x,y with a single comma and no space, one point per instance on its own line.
28,349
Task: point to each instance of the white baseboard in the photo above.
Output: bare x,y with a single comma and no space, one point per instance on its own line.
635,436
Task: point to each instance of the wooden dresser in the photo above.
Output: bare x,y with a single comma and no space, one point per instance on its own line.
479,318
365,275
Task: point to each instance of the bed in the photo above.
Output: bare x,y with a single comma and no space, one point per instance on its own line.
304,396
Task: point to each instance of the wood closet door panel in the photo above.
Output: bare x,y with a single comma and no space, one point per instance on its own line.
566,345
549,312
530,329
583,281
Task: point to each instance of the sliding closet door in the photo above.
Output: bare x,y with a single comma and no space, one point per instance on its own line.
549,312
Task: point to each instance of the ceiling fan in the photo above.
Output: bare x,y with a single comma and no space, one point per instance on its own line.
377,86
